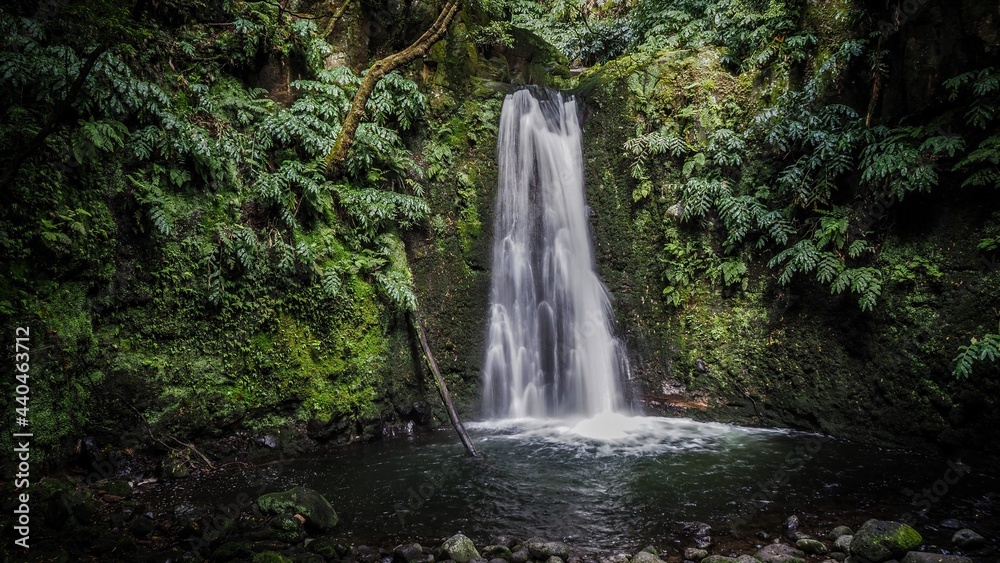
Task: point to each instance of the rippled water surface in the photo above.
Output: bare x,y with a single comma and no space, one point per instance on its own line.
608,482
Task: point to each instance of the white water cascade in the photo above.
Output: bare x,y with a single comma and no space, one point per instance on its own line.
551,351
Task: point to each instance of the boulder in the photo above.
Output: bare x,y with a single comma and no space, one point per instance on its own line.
299,500
813,547
882,540
520,556
542,549
693,554
967,539
780,553
459,548
843,544
718,559
646,557
919,557
792,527
288,529
554,559
408,553
697,529
745,559
507,541
838,532
950,524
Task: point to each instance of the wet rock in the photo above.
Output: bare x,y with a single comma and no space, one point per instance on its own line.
718,559
950,524
810,546
703,542
697,529
838,532
480,560
519,556
919,557
645,557
882,540
967,539
270,557
498,560
367,554
506,541
791,527
651,549
459,548
288,529
408,553
615,558
554,559
780,553
497,552
299,500
746,559
542,549
694,554
763,536
843,544
837,555
141,527
324,548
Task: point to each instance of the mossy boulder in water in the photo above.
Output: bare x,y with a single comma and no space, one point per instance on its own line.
882,540
300,500
645,557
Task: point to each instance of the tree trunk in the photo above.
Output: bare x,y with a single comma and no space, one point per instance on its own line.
382,67
442,388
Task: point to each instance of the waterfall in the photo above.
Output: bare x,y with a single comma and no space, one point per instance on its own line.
551,350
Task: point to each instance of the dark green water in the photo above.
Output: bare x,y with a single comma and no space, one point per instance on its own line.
610,483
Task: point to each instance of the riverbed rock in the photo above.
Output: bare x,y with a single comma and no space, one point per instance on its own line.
288,529
882,540
697,529
920,557
409,553
459,548
542,549
693,554
950,524
519,556
843,544
792,527
506,541
646,557
811,546
718,559
316,510
619,557
838,532
745,559
967,539
838,555
497,552
554,559
780,553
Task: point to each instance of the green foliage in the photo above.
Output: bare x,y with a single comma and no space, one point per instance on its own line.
190,211
980,349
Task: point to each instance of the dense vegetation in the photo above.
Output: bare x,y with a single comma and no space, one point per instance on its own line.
190,269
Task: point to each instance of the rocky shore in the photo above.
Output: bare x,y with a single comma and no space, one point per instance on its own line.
111,522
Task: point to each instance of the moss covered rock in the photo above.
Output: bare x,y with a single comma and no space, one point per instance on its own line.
308,503
460,549
882,540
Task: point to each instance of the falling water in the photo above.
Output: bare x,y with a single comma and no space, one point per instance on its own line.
551,350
